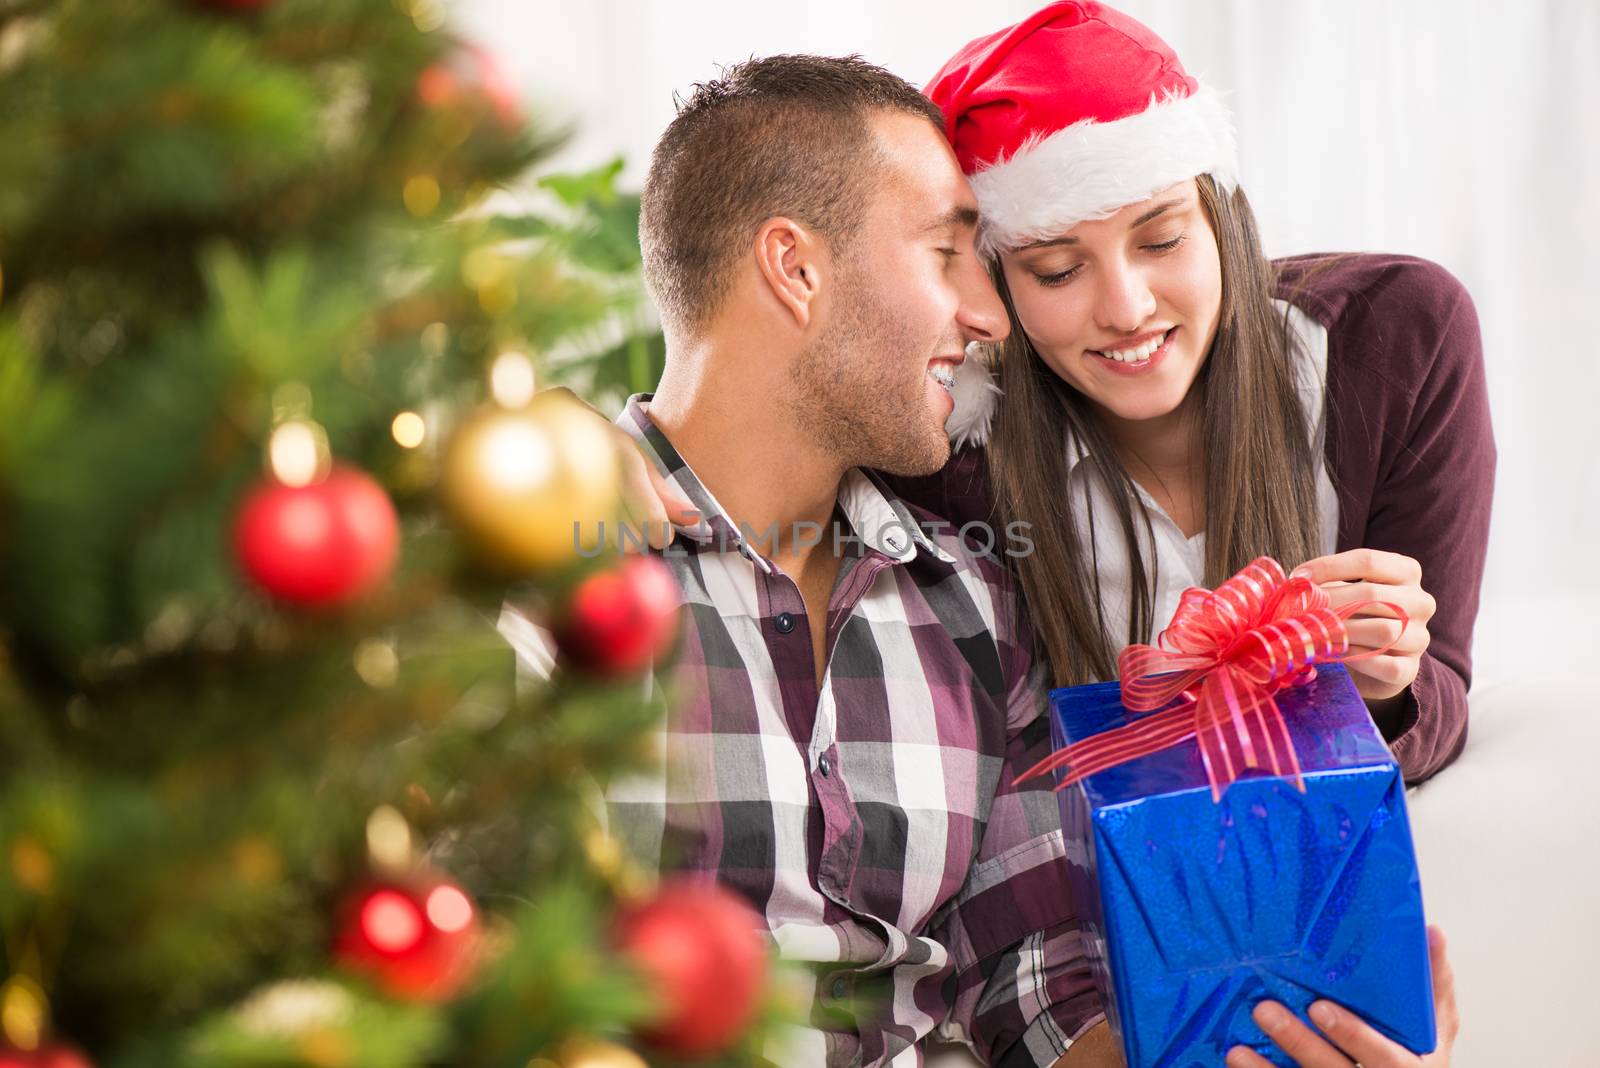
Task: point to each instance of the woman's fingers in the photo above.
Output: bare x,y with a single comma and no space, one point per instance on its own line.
1358,565
1372,633
1355,565
653,503
1417,602
1388,675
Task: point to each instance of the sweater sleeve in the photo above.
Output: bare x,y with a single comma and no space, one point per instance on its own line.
1414,427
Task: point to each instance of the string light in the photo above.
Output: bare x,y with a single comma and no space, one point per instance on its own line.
376,663
511,379
297,453
421,195
449,909
22,1013
409,430
388,838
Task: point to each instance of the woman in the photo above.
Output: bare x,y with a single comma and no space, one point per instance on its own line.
1171,404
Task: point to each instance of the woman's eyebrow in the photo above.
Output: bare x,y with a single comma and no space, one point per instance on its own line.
1157,210
1165,205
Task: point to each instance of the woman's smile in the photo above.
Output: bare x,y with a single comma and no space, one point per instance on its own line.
1140,357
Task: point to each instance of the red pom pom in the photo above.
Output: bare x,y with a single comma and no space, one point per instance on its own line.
419,942
619,620
322,544
701,950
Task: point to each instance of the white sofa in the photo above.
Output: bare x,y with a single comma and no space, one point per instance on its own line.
1508,840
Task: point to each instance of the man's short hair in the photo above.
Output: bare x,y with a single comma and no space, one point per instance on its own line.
784,135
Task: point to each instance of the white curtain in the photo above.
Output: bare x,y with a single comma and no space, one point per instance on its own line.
1464,131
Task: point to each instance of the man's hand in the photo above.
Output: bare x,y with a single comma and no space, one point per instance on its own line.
1096,1049
1345,1039
1372,575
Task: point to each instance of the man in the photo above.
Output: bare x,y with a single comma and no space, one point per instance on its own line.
855,692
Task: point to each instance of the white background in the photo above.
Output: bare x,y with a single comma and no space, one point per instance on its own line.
1460,130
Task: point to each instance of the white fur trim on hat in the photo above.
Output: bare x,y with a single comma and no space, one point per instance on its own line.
1090,170
977,396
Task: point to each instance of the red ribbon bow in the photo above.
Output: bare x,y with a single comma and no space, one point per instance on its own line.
1225,654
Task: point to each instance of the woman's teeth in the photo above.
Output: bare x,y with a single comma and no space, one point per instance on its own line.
943,374
1134,355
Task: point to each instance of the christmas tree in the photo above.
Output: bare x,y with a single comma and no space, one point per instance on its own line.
271,455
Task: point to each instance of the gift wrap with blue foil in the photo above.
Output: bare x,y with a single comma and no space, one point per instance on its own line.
1195,909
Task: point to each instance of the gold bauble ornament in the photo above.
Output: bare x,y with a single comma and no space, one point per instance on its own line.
593,1053
530,487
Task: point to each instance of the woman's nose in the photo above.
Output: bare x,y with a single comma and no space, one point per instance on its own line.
1125,302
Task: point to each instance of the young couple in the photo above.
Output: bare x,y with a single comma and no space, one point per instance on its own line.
842,264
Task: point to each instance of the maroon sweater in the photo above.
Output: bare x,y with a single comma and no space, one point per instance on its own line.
1409,448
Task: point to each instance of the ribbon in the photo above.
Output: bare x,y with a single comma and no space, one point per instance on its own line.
1223,657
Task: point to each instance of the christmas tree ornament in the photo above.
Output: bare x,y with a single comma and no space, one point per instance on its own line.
619,620
24,1026
471,79
533,488
417,939
316,543
699,949
53,1055
595,1053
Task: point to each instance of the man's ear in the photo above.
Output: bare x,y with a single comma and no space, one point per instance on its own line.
793,262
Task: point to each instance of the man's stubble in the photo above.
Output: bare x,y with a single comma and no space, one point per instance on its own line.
860,387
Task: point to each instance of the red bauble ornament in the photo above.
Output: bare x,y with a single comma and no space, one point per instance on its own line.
700,949
418,941
318,545
53,1056
470,77
618,620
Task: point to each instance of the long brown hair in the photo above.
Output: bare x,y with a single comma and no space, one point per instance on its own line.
1259,468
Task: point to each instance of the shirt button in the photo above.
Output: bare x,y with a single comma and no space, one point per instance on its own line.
784,622
823,765
893,542
840,988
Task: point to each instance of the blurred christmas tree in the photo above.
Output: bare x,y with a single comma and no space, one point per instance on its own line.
269,454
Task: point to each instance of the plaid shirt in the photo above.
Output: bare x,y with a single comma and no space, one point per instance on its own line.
874,821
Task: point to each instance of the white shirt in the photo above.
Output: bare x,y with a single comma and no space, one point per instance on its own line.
1181,561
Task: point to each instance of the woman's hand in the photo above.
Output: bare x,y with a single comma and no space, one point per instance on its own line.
1373,575
1349,1040
653,504
651,501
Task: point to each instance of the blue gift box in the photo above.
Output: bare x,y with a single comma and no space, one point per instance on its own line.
1196,909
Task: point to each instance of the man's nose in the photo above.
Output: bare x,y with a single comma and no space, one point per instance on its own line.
982,315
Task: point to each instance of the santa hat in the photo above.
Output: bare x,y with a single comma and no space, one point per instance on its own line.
1074,113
